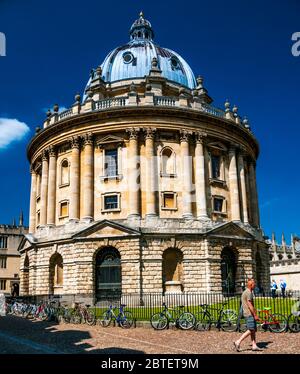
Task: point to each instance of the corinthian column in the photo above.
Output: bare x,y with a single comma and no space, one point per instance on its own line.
241,168
186,167
150,174
75,180
133,173
44,189
32,214
51,204
233,186
200,177
88,178
253,192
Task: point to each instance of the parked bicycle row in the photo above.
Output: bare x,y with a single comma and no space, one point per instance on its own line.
205,316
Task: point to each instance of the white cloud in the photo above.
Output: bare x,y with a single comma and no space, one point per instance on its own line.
11,130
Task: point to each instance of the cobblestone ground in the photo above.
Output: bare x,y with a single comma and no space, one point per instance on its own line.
18,335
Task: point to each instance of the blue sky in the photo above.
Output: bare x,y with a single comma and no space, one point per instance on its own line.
242,48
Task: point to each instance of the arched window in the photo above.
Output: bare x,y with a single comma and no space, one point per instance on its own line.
172,269
168,162
25,286
65,173
56,272
108,273
228,270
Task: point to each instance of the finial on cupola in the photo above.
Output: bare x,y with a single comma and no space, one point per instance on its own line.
141,14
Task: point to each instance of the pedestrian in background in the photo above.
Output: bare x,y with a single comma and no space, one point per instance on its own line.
282,287
273,288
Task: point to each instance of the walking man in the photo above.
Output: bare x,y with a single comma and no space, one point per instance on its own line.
250,316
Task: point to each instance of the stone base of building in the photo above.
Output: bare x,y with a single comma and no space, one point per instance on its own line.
109,256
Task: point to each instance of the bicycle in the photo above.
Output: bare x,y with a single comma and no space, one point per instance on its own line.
226,318
124,318
81,313
274,322
294,317
161,320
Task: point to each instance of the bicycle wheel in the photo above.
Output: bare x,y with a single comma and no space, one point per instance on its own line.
203,322
126,320
90,318
277,323
228,320
294,323
76,318
159,321
105,319
186,321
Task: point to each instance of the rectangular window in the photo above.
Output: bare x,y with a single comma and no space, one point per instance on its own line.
169,200
3,241
64,209
111,163
3,260
38,217
2,284
218,204
216,166
111,202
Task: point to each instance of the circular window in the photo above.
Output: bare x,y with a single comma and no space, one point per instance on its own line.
174,62
128,57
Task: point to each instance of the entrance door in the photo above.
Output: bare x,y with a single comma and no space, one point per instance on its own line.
108,274
228,271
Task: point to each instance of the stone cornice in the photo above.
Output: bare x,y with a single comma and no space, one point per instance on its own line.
192,120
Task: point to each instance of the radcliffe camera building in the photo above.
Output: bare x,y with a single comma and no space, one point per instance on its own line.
143,185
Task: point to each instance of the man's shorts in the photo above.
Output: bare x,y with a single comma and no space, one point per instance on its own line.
251,323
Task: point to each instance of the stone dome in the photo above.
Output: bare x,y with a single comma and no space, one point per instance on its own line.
133,60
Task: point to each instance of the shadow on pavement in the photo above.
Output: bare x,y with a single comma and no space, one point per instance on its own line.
38,337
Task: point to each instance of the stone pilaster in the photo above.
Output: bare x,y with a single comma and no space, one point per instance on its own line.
233,186
133,174
186,175
241,168
32,214
88,178
51,201
200,177
151,209
253,192
75,180
44,189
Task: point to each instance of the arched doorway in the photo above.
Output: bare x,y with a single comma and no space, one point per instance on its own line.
108,273
25,276
172,270
56,276
228,270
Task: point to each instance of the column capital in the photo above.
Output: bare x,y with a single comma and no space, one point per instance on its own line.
185,135
44,155
133,132
52,151
149,133
200,137
32,169
75,142
233,147
88,139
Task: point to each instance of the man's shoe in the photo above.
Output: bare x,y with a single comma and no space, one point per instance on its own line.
237,347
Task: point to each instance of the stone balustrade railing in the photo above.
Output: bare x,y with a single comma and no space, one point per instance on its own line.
115,102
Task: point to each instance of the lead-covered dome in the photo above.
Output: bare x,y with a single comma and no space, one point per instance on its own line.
133,60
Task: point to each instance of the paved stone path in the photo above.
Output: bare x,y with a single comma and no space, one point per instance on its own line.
18,335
